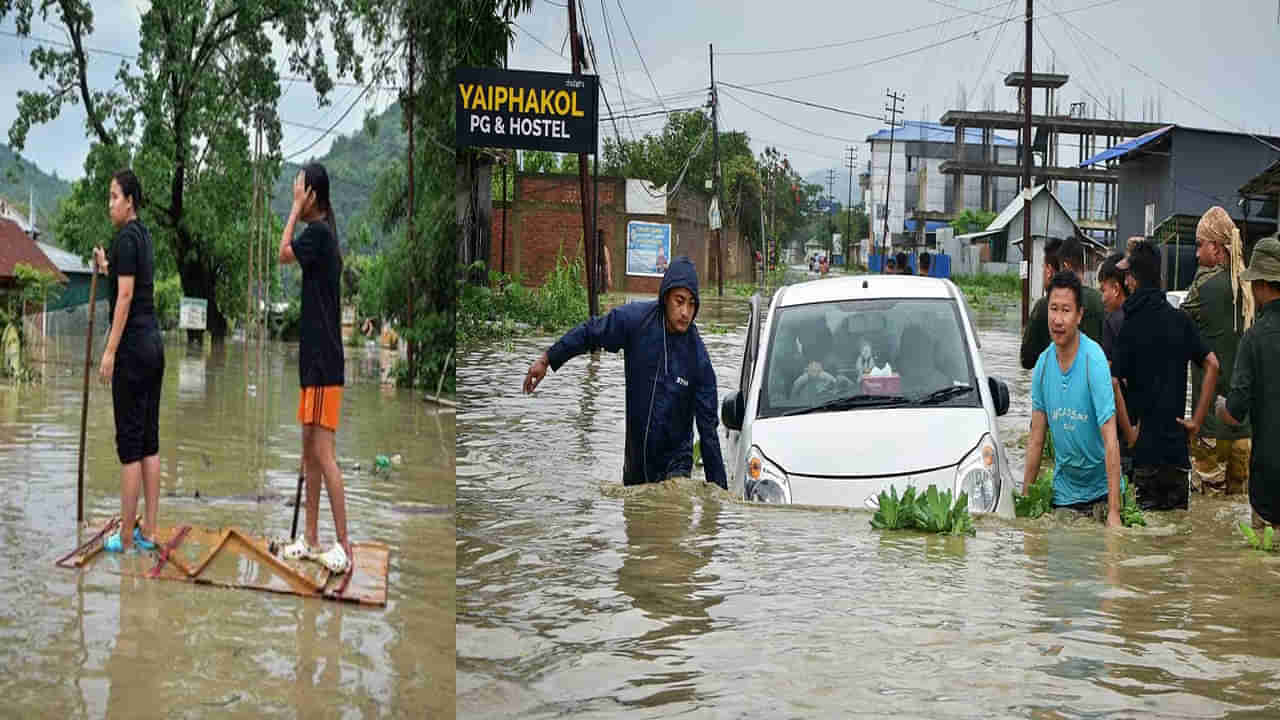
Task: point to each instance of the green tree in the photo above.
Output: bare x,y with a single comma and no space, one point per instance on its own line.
853,225
181,115
972,220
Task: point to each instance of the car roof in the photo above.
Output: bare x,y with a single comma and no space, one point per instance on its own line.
865,287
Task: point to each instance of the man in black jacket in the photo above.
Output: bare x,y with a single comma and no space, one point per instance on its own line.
1151,355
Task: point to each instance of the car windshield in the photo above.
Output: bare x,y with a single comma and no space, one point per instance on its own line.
867,354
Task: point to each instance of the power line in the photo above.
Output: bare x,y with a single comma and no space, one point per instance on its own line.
977,83
804,102
784,122
633,42
930,46
1166,86
844,43
344,114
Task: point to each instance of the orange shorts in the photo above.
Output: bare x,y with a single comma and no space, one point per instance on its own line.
320,405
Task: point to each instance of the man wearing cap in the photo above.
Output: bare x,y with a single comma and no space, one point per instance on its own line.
1151,355
670,383
1220,453
1255,383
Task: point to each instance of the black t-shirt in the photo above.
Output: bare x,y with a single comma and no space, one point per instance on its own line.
320,355
1151,353
132,253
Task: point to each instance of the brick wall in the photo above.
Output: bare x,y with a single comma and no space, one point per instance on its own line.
544,222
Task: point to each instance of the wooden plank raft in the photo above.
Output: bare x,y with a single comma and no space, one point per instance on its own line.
231,557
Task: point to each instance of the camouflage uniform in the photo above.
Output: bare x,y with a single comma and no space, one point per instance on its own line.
1219,453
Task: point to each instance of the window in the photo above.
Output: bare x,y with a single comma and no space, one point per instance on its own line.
826,351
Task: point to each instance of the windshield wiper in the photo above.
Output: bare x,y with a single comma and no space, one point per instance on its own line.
946,393
852,401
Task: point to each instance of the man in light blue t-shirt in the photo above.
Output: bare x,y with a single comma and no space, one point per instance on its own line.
1071,393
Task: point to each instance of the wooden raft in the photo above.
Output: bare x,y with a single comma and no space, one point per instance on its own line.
231,557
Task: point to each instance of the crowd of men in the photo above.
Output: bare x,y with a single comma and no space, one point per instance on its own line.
1109,376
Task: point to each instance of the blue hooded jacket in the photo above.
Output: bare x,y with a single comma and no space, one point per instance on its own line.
670,383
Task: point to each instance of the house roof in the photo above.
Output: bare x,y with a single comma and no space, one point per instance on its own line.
1127,147
17,247
1265,182
67,262
912,131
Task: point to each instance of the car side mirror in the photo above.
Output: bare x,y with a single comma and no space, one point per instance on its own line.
732,411
999,395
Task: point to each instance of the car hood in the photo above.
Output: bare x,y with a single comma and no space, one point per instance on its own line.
872,442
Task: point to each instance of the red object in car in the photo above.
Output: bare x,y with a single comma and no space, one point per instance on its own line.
882,384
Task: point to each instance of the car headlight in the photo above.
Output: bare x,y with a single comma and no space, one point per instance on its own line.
765,482
978,476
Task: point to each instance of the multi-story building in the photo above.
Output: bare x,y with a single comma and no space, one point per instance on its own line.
916,191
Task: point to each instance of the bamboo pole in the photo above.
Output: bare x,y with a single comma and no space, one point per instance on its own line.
84,401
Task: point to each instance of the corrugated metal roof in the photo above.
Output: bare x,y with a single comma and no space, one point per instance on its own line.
1127,146
65,261
934,132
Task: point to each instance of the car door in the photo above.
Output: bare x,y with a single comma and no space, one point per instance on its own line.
750,352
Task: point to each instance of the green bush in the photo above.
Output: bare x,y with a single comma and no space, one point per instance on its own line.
1039,497
168,301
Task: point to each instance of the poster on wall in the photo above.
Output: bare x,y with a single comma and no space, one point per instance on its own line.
648,248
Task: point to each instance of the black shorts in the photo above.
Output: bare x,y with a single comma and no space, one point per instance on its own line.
135,395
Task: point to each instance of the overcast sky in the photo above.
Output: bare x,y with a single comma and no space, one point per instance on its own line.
62,145
1223,55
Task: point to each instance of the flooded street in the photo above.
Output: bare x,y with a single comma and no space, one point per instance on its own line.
578,597
100,644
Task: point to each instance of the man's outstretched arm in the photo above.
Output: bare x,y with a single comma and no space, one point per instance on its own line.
607,332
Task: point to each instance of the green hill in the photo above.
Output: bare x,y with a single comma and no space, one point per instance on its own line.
18,177
354,164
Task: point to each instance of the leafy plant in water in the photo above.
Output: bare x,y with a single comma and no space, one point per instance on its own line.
1039,497
895,513
930,511
1266,542
1130,513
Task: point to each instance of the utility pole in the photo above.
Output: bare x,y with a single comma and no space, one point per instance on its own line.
1026,170
588,232
848,211
715,169
893,111
408,114
831,180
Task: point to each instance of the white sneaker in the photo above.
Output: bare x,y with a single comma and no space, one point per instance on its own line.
335,558
299,550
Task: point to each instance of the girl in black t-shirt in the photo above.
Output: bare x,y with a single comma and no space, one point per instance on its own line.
320,361
133,361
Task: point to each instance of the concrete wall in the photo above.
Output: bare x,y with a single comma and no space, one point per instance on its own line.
544,222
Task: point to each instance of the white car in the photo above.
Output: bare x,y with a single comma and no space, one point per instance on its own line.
850,385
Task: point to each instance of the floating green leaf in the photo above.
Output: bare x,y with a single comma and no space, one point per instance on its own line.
1268,537
930,511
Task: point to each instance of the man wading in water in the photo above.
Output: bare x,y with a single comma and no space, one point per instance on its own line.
670,381
1255,384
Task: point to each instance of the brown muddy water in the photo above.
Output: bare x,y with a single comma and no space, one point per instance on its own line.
99,644
578,598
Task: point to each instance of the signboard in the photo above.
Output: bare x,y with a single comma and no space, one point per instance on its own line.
526,110
713,214
1149,220
648,248
193,313
1022,270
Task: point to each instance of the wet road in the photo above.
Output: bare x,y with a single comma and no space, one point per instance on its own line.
579,597
101,645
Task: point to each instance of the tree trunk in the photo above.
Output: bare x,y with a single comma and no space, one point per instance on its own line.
200,282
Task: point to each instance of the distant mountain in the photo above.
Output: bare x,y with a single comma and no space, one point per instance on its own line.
840,185
19,177
354,164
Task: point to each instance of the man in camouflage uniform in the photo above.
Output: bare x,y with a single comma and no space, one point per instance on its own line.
1219,452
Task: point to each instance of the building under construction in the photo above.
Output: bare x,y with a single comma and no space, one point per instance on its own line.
1095,188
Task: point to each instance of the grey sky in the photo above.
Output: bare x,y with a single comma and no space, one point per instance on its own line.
62,145
1223,55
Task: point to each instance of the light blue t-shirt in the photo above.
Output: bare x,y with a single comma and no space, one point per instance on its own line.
1077,403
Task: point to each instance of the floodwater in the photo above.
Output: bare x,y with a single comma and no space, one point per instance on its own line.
578,597
99,644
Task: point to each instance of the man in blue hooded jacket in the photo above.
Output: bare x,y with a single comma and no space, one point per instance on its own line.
670,381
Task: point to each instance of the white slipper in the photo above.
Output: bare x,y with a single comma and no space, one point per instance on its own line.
299,550
335,558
